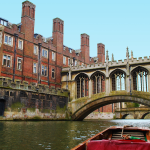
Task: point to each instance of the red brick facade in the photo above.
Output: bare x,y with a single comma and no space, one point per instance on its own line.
38,60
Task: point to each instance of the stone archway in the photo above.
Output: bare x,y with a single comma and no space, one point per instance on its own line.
144,115
125,115
89,107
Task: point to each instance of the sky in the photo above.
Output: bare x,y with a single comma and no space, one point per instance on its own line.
115,23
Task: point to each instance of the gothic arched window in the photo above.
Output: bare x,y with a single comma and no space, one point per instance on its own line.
82,81
118,80
140,79
98,81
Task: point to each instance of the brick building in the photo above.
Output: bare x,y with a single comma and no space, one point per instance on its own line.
29,57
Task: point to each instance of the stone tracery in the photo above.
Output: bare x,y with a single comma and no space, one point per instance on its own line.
82,85
98,82
118,80
140,79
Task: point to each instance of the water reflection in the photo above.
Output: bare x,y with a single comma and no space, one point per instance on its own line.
54,135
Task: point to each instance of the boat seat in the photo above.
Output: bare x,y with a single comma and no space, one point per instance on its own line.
138,134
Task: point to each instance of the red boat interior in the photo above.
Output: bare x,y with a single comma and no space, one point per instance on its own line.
117,145
111,139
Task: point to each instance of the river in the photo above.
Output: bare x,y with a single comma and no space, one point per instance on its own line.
54,135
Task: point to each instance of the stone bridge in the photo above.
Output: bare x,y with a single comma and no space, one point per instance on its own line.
99,84
80,108
137,113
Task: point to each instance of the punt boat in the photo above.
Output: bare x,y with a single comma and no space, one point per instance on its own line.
118,138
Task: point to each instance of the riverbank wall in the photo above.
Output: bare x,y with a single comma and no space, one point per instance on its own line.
21,101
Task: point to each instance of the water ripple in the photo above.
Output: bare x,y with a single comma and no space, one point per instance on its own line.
54,135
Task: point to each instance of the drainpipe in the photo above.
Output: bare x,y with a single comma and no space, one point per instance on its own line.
130,79
48,66
67,81
39,63
16,36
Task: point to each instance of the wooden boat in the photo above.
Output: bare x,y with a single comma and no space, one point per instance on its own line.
118,138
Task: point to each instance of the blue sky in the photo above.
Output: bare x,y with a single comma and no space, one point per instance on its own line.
115,23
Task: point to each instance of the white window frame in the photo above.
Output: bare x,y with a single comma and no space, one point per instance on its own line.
19,40
34,67
70,50
7,60
75,63
7,43
18,63
36,50
44,70
3,22
43,53
52,73
53,56
69,61
64,60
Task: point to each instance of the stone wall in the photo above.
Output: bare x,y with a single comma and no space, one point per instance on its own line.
100,115
23,101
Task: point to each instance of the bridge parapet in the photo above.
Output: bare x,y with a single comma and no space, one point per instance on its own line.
132,109
139,60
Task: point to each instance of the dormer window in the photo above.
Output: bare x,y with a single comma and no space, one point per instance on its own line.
95,61
77,52
64,48
44,39
3,22
70,50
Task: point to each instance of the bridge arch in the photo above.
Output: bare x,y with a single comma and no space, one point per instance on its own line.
89,107
144,115
125,115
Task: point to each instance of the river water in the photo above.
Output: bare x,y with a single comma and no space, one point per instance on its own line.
54,135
